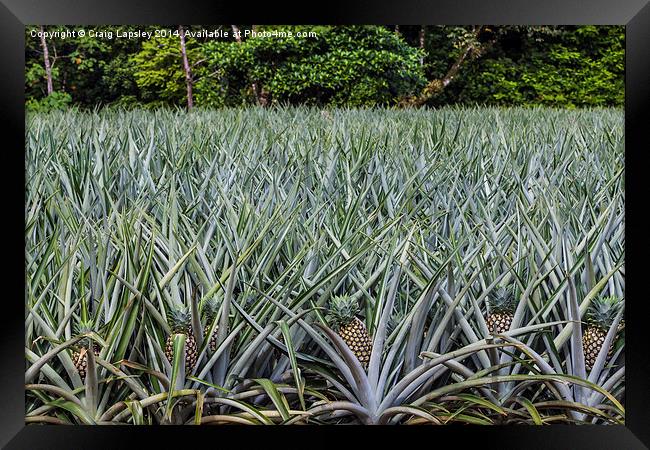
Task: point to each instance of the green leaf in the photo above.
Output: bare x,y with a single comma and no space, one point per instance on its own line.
299,380
177,378
276,397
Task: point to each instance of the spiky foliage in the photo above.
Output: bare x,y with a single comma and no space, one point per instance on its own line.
302,204
501,304
79,356
342,310
599,318
603,310
395,321
180,322
342,316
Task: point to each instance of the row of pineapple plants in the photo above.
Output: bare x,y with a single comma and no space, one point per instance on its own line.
359,266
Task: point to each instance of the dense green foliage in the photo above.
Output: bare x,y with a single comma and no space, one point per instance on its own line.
354,66
86,71
158,72
565,66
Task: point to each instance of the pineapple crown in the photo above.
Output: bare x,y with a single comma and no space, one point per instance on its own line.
395,321
603,311
84,326
179,319
502,300
342,310
249,298
210,308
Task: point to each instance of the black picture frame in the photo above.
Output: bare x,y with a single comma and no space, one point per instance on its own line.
635,14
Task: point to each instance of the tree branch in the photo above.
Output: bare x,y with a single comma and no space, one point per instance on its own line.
435,87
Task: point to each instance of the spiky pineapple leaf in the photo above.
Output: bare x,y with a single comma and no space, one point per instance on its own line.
298,378
177,376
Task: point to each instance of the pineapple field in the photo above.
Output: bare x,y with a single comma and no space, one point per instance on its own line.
338,266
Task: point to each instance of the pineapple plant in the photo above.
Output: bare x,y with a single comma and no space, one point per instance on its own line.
180,321
343,316
599,318
501,310
210,311
79,356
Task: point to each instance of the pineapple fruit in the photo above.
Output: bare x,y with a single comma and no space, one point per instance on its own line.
343,310
180,321
501,311
600,316
79,357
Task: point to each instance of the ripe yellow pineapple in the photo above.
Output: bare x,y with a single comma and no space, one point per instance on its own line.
180,321
343,310
501,311
600,316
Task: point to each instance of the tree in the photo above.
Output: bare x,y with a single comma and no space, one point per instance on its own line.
161,77
350,65
43,89
564,66
561,66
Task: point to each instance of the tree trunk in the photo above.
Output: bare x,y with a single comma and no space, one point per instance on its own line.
397,30
436,86
422,31
261,99
236,32
186,68
46,60
453,70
